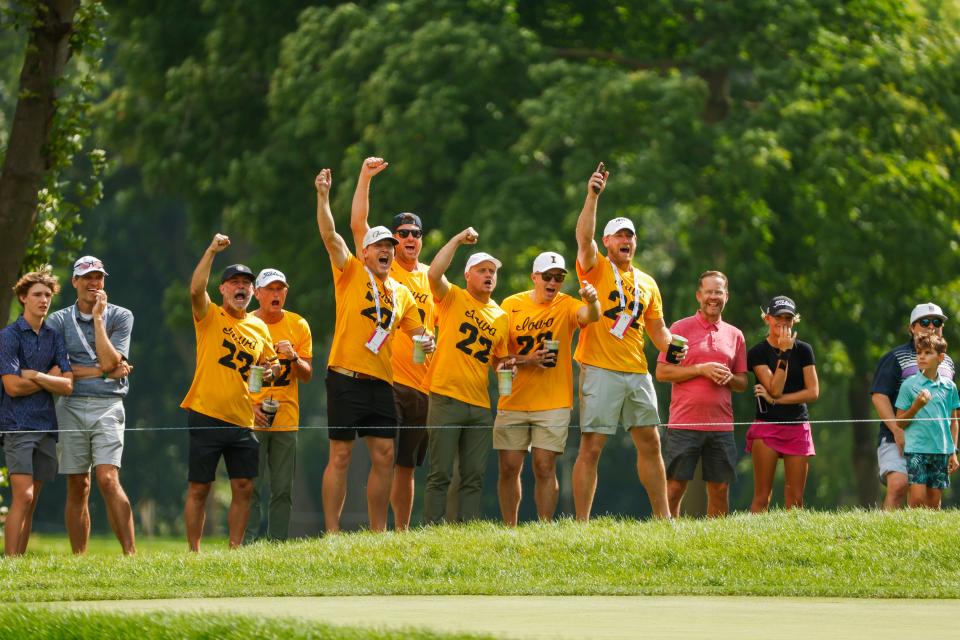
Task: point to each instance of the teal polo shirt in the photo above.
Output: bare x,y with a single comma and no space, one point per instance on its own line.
930,430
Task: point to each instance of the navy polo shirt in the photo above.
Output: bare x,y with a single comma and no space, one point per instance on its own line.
23,348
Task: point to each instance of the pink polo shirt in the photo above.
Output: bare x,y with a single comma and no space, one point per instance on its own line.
699,404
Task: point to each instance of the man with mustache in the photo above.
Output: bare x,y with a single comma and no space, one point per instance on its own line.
97,335
537,414
409,391
615,385
473,337
371,307
219,404
293,341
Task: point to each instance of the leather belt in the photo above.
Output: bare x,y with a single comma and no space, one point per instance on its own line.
353,374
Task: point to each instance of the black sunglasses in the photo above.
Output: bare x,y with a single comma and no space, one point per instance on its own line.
926,322
403,233
555,277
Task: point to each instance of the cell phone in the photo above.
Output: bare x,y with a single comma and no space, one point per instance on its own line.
600,170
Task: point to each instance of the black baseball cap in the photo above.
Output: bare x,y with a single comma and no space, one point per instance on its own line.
781,305
236,270
406,218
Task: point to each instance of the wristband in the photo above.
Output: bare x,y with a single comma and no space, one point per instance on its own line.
783,356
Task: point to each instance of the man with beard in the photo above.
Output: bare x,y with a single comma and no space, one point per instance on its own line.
409,391
537,414
615,386
473,336
97,335
219,405
371,306
701,411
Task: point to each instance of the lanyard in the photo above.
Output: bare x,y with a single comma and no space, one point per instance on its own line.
636,288
83,338
376,299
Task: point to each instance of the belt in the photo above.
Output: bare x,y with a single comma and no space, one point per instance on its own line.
353,374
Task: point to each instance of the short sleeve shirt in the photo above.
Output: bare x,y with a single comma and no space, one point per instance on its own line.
118,323
600,348
929,431
540,388
285,388
226,349
800,356
470,332
357,320
23,348
895,367
700,404
405,372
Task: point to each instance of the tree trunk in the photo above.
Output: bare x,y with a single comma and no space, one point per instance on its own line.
864,436
28,157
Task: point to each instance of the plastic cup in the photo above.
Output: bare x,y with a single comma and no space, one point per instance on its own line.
553,346
419,355
505,381
255,381
270,407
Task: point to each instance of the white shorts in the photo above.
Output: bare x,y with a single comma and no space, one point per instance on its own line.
610,399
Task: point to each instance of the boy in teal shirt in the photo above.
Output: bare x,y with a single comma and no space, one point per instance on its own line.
929,407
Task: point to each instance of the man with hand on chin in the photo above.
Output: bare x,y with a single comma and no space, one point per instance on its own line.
219,404
371,307
97,335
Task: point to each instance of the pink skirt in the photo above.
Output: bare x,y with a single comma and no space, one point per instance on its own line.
785,439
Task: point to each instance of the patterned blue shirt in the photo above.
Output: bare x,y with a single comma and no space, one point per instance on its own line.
23,348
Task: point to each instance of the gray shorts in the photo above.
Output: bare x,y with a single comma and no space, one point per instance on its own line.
889,460
610,399
91,433
32,453
716,449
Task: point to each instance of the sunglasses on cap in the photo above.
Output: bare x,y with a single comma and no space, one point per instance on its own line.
403,233
554,277
89,264
927,322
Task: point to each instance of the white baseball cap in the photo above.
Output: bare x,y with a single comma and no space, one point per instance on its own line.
477,258
618,223
376,234
267,276
926,310
549,260
88,264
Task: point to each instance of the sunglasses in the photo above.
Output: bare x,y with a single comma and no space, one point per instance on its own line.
88,264
403,233
553,277
926,322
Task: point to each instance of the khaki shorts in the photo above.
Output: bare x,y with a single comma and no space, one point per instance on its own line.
91,433
610,399
519,430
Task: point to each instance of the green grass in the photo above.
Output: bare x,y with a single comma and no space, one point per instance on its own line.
848,554
43,623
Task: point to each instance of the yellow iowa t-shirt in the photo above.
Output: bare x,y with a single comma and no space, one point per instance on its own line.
600,348
226,348
537,388
357,319
470,332
285,388
404,370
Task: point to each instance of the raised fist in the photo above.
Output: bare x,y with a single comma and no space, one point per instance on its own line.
219,242
322,182
469,236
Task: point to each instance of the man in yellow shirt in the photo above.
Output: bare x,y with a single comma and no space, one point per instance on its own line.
219,405
472,338
370,307
278,439
537,413
615,385
409,392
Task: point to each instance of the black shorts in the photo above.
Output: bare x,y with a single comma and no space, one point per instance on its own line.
686,447
359,407
411,444
238,446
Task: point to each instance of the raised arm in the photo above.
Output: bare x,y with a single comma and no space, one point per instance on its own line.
335,245
439,285
360,209
199,298
587,222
